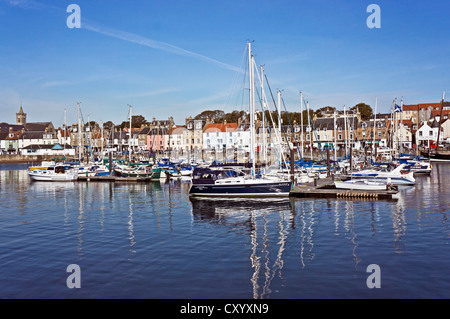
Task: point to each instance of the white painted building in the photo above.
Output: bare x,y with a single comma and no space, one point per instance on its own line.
220,136
428,133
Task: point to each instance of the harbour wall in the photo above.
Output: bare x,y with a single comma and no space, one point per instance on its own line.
6,159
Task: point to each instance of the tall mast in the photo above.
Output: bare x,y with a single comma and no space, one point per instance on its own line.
301,119
401,127
374,129
101,141
345,132
335,155
440,121
263,118
129,138
65,137
279,111
310,131
395,129
252,108
79,132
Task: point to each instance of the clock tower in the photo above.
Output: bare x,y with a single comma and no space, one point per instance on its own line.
21,117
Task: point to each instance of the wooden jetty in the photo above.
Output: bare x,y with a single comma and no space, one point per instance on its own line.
324,188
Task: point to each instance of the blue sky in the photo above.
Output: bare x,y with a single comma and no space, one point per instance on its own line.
178,58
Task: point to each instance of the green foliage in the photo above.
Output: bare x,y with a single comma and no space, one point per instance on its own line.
136,122
364,109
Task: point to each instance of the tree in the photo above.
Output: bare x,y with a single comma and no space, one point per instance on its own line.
364,109
108,125
136,122
214,116
324,110
91,124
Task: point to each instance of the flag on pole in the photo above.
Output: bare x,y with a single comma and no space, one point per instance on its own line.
397,108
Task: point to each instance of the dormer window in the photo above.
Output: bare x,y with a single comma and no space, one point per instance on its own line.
363,126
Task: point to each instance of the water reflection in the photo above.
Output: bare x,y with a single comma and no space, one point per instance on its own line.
284,239
258,219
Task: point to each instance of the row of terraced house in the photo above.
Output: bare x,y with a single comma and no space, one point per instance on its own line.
417,125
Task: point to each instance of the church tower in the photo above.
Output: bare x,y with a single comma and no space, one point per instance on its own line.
21,117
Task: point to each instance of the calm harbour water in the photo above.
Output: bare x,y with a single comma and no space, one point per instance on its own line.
150,240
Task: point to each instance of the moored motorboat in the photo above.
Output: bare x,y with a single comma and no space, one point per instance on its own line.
362,184
54,174
397,176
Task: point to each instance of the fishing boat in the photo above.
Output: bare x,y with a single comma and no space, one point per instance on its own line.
44,165
233,183
397,176
58,173
138,171
133,171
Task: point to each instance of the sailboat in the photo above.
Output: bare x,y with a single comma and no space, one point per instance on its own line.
239,183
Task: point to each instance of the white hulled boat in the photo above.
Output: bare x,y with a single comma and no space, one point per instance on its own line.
54,174
362,184
396,176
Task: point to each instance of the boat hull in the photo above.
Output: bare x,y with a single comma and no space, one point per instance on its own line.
269,189
360,185
393,180
53,177
437,157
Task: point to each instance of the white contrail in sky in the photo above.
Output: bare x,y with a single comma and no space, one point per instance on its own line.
123,35
154,44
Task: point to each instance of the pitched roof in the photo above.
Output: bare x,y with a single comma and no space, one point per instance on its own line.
145,130
221,127
37,126
178,129
33,135
420,106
